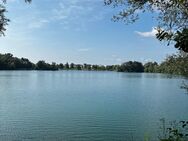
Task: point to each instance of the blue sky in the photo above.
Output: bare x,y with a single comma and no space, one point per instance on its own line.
79,31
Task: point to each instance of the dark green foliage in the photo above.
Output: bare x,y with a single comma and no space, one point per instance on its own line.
151,67
42,65
98,67
181,39
3,20
175,64
8,62
131,67
66,66
87,67
72,66
78,67
110,68
61,66
175,131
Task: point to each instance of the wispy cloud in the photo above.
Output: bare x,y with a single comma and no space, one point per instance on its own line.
78,13
10,1
119,60
84,49
116,59
38,23
69,14
151,33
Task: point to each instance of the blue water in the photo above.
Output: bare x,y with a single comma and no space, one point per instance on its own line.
87,106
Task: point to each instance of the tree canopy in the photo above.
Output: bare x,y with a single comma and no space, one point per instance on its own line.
172,16
131,66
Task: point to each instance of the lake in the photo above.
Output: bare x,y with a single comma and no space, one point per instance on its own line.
87,106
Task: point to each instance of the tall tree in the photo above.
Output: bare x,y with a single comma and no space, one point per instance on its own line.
172,17
131,66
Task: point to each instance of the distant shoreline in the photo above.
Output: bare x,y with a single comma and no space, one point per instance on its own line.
174,64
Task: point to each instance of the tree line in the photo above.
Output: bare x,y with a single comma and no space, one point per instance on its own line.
176,64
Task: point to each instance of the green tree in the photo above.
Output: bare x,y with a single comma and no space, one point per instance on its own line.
41,65
110,67
78,67
67,66
151,67
87,67
61,66
131,67
8,62
172,17
175,64
53,66
72,66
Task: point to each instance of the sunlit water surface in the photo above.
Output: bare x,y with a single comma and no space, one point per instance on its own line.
87,106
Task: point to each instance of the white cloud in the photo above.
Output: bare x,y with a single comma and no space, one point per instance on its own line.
114,55
151,33
84,49
69,14
148,60
69,10
38,23
119,60
10,1
116,59
78,13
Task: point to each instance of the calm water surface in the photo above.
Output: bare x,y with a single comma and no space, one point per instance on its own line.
87,106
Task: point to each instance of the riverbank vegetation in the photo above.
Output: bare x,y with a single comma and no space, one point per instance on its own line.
172,27
173,131
176,64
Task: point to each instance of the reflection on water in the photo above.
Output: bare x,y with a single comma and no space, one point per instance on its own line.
185,86
82,105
